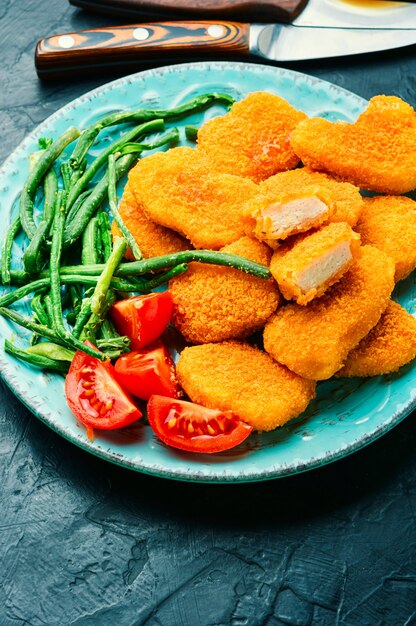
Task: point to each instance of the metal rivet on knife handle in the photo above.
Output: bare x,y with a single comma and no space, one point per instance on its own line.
102,47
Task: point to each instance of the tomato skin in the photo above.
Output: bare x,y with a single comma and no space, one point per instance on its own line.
186,426
94,395
147,372
142,318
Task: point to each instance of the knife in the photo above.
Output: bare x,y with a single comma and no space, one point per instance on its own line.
122,46
390,14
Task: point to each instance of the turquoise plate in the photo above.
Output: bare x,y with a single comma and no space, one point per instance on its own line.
346,414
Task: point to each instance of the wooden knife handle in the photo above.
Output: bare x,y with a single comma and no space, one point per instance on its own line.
103,47
247,10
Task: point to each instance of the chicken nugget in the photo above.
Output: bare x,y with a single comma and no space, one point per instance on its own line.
388,346
178,189
306,266
152,239
234,376
213,303
346,198
277,217
314,340
389,223
376,152
253,139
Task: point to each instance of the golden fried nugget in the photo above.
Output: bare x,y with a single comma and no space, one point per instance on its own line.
346,198
306,266
253,139
389,345
389,223
178,190
314,340
213,303
377,152
152,239
277,217
238,377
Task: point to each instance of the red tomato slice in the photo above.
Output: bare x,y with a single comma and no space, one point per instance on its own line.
148,371
192,427
94,395
142,318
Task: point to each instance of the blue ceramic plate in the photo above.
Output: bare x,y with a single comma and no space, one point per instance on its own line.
345,416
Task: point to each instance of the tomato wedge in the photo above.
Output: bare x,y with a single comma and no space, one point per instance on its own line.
94,395
148,371
192,427
142,318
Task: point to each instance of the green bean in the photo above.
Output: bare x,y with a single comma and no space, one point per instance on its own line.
82,318
143,129
52,351
191,133
55,260
89,254
42,165
66,175
37,307
77,205
171,137
48,307
161,279
50,189
106,237
32,257
89,135
29,324
76,297
39,361
6,250
158,263
112,200
75,228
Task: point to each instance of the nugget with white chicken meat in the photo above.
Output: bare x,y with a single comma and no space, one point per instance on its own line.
314,340
178,189
307,265
387,347
273,218
389,223
346,198
377,152
213,303
253,139
152,239
238,377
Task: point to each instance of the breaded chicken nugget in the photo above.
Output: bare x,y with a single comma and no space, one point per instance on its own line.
377,152
389,223
213,303
389,345
152,239
306,266
277,217
178,190
346,198
253,139
314,340
238,377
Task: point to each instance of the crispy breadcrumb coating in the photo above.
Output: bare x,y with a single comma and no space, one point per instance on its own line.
389,223
253,139
346,198
306,266
178,189
213,303
238,377
389,345
377,152
152,239
314,340
276,217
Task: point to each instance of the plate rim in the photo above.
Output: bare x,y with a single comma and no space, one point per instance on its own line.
183,474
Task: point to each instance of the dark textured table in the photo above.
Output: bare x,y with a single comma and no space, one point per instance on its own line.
85,542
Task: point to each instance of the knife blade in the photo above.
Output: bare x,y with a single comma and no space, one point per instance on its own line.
122,46
389,14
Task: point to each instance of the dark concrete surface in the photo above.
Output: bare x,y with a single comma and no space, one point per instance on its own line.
84,542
